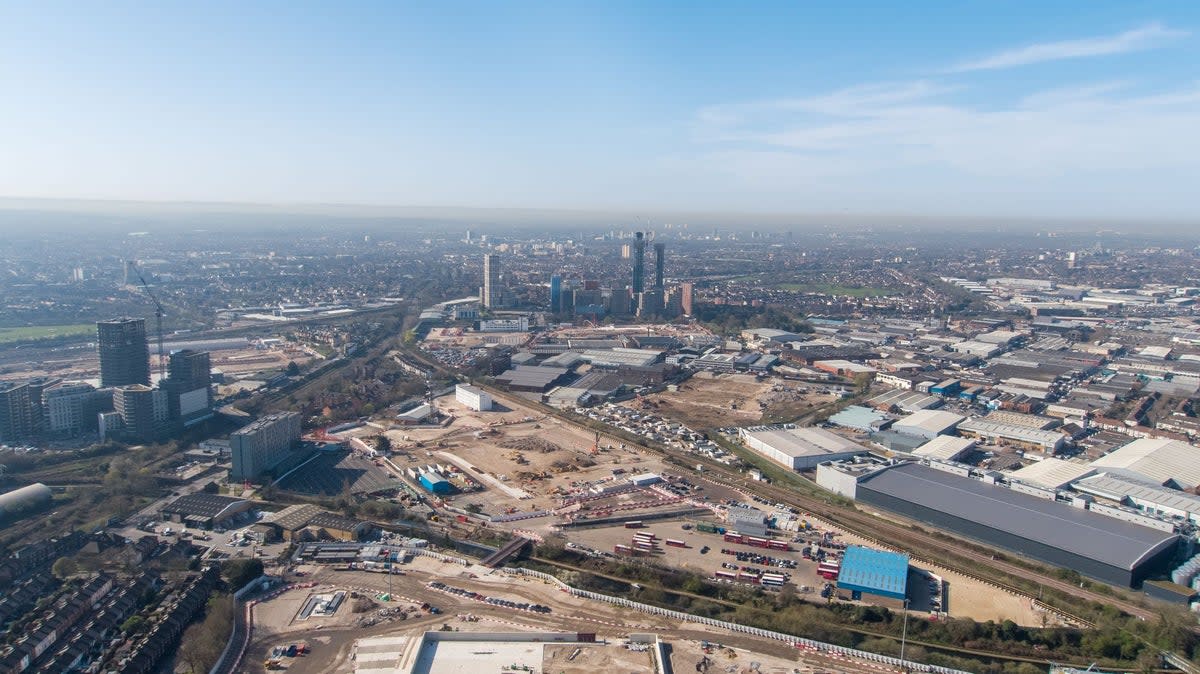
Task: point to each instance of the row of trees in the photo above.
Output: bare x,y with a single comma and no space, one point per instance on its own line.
1127,641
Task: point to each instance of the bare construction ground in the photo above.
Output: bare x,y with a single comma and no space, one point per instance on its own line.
523,462
547,459
709,400
332,638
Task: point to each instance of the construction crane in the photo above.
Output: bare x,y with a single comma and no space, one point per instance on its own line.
158,316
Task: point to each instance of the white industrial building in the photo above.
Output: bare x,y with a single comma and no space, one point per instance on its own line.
799,448
1165,462
1052,473
474,398
1012,435
945,448
520,324
928,424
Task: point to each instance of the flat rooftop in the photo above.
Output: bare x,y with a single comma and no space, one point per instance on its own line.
466,652
1052,473
945,448
930,421
874,571
1156,459
1098,537
471,657
797,442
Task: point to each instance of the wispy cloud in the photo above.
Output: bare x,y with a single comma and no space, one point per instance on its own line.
1079,129
1149,36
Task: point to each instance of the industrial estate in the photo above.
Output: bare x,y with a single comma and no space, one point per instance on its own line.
581,454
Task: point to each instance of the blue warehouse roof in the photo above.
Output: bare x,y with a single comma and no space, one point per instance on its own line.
875,572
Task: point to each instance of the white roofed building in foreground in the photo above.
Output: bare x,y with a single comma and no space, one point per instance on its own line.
945,448
799,448
1166,462
1052,473
928,424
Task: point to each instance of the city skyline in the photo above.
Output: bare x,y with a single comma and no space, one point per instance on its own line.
1081,112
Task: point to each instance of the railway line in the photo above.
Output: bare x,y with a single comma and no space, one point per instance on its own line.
921,546
945,648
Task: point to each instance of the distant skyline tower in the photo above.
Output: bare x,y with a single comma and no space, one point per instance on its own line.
626,251
639,263
124,352
556,293
660,259
491,280
687,295
1071,260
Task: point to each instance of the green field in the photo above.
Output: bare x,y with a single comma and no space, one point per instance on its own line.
830,289
9,335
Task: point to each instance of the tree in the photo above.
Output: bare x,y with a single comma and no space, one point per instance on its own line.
64,567
239,572
203,642
212,488
134,624
383,444
293,369
474,508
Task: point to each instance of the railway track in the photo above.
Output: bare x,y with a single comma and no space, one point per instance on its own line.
886,533
921,546
881,530
945,648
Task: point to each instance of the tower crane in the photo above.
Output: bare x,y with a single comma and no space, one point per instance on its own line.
158,316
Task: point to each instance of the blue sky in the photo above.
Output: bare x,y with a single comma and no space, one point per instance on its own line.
1072,109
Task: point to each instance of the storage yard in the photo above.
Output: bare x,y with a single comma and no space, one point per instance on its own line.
709,400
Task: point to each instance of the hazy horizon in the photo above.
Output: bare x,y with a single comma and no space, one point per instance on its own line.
1058,111
17,212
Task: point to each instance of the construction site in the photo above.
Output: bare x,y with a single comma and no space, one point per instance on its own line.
384,626
513,469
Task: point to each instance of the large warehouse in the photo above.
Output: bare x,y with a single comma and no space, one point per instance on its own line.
928,424
1095,545
1166,462
799,448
